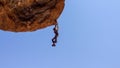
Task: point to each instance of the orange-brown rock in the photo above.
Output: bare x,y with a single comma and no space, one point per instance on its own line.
29,15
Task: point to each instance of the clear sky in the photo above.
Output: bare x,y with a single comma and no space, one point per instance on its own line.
89,38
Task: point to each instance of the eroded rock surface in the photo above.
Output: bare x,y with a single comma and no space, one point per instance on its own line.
29,15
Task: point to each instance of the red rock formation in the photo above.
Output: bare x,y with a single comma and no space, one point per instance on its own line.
29,15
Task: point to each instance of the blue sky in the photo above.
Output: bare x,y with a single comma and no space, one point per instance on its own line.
89,38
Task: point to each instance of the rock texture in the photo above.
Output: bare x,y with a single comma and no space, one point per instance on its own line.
29,15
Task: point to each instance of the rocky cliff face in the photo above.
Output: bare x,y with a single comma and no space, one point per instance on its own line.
29,15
